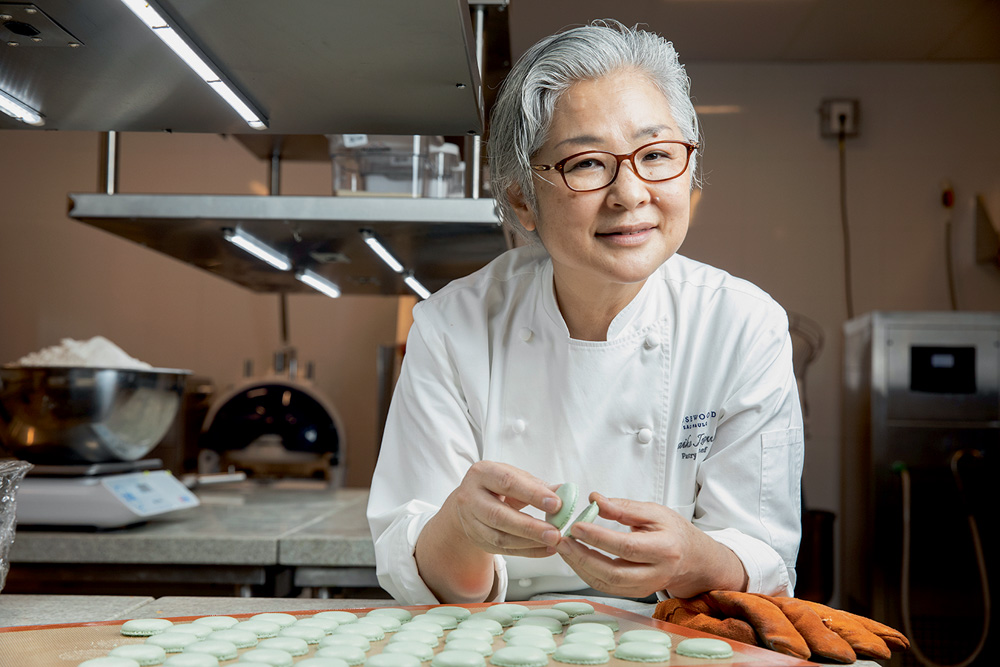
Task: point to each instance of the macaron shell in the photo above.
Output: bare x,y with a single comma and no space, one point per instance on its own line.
588,515
568,493
643,652
581,654
704,647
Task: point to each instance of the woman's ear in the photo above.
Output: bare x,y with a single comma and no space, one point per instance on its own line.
524,212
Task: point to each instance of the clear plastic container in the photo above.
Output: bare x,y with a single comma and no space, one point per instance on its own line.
393,165
11,473
447,177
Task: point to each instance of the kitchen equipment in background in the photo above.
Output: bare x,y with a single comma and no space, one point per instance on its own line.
274,427
102,495
87,429
178,449
11,473
921,430
83,414
400,165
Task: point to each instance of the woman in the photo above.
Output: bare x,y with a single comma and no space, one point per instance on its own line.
596,355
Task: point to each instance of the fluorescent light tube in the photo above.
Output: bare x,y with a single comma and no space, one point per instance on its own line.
180,44
415,285
319,283
260,250
12,106
381,250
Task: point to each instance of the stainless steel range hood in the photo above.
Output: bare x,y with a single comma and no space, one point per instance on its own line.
312,66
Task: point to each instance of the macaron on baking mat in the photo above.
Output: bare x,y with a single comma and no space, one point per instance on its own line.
73,644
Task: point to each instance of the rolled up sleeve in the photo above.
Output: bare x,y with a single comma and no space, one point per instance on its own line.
430,442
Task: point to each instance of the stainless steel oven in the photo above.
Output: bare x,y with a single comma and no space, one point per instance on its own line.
921,428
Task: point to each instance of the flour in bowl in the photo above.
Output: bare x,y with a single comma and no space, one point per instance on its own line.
98,352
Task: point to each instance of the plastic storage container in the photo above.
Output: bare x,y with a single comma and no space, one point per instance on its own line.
395,165
11,473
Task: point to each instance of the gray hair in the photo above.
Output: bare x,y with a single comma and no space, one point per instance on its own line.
522,113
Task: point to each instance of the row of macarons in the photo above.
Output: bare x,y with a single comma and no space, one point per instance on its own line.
344,638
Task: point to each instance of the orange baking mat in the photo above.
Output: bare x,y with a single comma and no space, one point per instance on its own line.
71,644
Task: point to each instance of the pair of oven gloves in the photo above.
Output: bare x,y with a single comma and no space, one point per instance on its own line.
791,626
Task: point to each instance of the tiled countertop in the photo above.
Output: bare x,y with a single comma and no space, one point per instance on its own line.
290,523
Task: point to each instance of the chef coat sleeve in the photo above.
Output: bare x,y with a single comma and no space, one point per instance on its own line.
432,437
749,485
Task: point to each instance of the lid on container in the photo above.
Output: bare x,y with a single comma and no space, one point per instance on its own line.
449,148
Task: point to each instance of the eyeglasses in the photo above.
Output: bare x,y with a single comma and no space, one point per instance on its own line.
594,170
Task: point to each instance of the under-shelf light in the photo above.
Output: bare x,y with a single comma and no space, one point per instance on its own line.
181,44
319,283
416,286
258,249
381,250
12,106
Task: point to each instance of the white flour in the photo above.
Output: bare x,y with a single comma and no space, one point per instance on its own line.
98,352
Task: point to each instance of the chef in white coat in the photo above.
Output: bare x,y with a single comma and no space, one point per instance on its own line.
594,354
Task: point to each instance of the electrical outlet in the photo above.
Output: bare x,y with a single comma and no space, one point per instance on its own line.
838,116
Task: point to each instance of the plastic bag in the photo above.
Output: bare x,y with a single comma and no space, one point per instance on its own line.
11,474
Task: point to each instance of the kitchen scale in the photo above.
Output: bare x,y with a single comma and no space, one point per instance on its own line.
102,495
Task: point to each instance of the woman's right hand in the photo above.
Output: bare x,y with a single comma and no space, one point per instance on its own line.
486,508
482,517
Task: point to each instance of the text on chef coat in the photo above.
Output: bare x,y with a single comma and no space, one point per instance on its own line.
696,443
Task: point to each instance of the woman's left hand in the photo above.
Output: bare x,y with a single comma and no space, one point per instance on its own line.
663,551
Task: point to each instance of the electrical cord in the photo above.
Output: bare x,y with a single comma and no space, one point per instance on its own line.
845,228
948,201
922,658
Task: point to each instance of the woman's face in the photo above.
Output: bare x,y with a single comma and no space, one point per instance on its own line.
617,236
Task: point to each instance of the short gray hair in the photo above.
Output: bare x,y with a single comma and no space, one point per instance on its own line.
522,113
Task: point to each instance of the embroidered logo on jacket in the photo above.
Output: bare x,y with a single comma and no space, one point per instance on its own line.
695,443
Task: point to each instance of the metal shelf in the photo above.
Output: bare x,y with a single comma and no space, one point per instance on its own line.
437,239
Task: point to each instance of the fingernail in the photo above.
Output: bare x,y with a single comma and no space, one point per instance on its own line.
550,504
550,537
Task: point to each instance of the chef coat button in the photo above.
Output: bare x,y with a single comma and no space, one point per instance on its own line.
524,583
519,426
525,334
652,341
645,435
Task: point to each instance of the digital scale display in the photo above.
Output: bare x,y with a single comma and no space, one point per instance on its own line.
147,493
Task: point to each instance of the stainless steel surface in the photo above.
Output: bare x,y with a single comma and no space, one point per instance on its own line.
474,145
902,406
61,415
110,163
312,66
438,239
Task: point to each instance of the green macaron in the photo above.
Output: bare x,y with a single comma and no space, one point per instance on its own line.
568,494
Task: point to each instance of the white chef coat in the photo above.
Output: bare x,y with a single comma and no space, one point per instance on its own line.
691,403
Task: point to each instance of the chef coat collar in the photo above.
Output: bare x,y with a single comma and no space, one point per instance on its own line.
638,314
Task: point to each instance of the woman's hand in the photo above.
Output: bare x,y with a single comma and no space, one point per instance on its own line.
663,551
482,517
486,508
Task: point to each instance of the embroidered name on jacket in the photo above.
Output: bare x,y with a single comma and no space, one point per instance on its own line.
700,434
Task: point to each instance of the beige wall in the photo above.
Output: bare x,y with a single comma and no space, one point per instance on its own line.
770,207
769,213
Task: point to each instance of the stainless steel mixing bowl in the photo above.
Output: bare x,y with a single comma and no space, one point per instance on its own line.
61,415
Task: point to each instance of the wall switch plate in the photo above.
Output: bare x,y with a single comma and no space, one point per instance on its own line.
833,112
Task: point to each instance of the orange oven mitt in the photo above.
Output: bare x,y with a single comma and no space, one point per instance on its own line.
787,625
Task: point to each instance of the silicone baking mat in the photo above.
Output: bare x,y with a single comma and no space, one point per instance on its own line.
69,645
